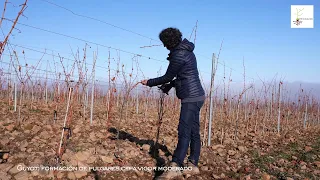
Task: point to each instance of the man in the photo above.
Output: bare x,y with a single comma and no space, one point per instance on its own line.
182,67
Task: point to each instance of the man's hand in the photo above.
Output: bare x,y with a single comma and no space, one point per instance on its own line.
144,82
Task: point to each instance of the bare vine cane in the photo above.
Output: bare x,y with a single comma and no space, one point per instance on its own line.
117,152
66,129
56,103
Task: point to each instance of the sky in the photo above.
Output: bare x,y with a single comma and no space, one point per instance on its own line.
256,32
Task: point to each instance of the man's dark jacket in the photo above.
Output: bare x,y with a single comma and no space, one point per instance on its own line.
183,66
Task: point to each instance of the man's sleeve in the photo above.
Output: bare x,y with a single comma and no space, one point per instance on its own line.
174,67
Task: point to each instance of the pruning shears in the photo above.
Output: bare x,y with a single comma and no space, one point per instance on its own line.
165,88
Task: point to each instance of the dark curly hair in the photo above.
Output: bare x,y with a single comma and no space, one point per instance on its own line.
170,37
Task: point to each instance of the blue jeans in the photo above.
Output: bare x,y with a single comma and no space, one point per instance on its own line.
188,133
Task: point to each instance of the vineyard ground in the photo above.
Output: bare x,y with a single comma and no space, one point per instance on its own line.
33,142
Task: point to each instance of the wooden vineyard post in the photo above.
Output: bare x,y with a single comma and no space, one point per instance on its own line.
211,99
279,103
92,90
66,129
15,96
137,101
